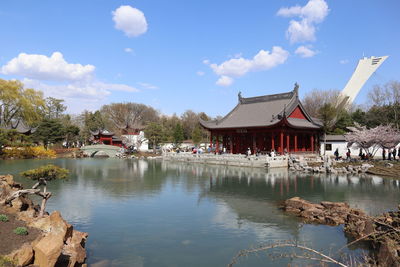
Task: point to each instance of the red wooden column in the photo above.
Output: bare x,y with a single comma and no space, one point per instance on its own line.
312,142
281,143
254,143
295,143
211,141
231,144
272,141
288,142
217,143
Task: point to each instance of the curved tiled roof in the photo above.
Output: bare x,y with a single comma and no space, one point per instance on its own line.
263,111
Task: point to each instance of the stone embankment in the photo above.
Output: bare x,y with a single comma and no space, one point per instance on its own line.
261,161
382,232
314,165
57,245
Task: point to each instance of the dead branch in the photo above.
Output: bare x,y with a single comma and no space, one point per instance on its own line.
324,258
23,192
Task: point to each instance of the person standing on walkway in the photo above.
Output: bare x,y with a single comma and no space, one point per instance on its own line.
390,154
248,152
383,154
348,154
336,154
394,153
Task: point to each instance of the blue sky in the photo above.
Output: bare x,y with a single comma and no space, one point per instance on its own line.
177,55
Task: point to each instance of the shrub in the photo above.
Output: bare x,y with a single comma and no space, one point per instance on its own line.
18,152
6,262
3,218
41,152
21,231
28,152
48,172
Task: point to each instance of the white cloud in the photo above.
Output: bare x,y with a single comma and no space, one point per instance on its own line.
53,68
314,12
74,83
344,61
300,31
148,86
200,73
237,67
224,81
305,51
130,20
91,90
79,95
206,61
115,87
128,50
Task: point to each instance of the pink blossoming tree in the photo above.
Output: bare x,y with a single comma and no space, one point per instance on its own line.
370,140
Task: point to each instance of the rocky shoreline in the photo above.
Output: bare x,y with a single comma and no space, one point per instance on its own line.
57,243
318,165
381,232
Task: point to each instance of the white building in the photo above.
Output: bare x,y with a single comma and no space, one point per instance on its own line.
334,142
137,140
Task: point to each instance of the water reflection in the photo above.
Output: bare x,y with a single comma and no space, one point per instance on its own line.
371,193
153,213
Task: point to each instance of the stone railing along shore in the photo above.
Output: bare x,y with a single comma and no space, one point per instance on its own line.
260,161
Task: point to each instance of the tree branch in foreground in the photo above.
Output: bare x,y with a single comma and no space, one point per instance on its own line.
323,257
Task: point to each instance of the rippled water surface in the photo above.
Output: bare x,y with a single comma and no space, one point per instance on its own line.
153,213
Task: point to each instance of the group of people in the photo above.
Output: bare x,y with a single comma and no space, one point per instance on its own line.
391,154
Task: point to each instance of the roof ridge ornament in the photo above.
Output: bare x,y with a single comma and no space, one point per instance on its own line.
240,97
296,90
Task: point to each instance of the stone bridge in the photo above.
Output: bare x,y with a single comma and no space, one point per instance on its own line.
92,150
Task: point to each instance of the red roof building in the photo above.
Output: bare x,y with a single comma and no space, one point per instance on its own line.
105,137
276,122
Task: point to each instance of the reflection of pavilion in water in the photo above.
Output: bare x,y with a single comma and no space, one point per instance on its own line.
368,192
242,202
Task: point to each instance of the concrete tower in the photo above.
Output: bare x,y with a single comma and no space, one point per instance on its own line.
365,68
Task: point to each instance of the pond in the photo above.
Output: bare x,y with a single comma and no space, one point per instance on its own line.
154,213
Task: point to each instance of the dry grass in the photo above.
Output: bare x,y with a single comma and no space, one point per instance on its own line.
380,169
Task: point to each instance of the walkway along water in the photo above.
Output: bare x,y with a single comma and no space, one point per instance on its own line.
261,161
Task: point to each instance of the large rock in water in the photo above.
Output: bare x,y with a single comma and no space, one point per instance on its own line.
48,249
332,213
296,203
74,248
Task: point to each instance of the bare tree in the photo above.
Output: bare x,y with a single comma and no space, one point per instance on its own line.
190,120
125,116
316,99
389,96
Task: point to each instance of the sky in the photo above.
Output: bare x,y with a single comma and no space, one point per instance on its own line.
178,55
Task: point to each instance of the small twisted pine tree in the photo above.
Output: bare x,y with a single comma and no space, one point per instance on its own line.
42,175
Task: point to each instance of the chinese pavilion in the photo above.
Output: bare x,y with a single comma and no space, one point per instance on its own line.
105,137
271,122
